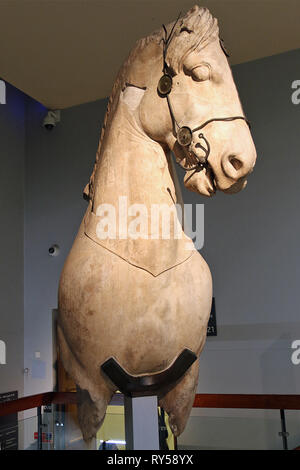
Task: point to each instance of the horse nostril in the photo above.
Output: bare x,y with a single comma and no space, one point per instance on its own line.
236,163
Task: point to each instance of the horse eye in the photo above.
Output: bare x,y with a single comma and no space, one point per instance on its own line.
201,73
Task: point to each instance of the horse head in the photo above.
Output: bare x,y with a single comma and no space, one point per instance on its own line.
180,88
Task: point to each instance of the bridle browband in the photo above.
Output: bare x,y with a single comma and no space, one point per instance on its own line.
184,134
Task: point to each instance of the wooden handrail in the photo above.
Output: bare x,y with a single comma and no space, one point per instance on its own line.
42,399
202,400
258,402
33,401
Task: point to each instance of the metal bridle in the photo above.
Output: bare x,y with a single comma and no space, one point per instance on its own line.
184,134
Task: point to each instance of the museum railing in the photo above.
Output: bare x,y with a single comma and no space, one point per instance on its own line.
57,402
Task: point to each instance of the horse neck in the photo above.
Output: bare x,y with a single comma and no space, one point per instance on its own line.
134,166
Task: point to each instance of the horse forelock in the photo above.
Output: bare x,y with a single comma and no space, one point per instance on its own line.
192,32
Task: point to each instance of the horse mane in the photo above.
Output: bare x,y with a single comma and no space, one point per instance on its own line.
191,33
119,85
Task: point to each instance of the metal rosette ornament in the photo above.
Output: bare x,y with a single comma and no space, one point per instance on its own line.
165,85
191,160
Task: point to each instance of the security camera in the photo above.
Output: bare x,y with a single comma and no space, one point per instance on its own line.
53,250
51,119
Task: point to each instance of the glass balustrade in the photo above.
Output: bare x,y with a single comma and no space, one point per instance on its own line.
239,429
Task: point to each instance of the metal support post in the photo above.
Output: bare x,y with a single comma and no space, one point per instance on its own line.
39,428
141,423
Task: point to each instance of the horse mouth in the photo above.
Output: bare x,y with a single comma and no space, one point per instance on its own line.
209,179
201,180
236,187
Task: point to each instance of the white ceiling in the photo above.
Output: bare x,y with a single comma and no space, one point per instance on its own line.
67,52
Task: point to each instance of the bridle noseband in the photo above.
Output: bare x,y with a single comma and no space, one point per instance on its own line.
184,134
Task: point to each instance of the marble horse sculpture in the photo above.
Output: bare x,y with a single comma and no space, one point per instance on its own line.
142,299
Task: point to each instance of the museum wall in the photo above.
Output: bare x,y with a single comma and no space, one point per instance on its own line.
12,152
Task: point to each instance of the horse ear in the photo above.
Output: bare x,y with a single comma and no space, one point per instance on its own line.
139,67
